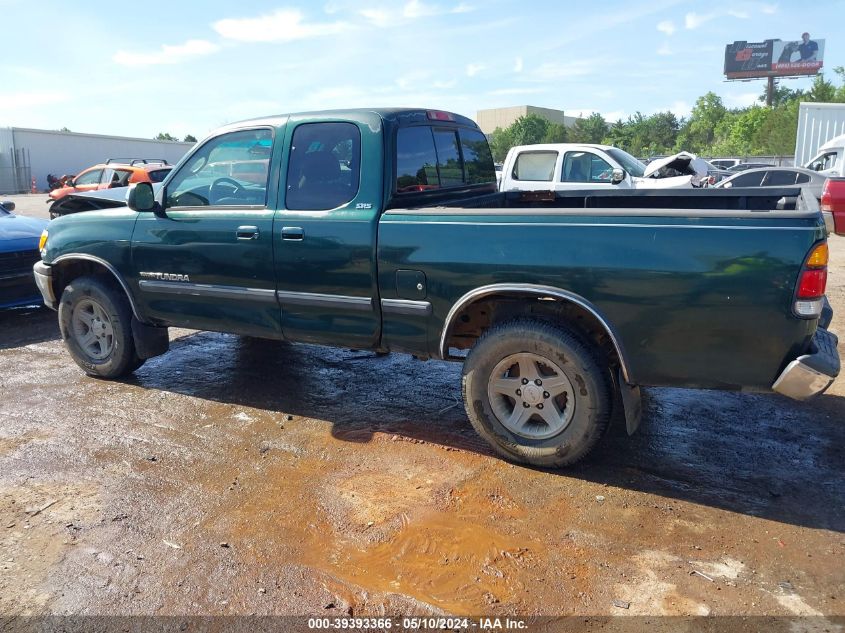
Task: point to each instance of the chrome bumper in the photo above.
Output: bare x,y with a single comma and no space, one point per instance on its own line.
44,280
812,373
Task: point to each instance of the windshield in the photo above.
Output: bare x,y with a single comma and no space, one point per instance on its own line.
628,162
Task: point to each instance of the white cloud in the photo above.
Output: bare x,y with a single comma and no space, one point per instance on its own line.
664,50
769,9
679,108
377,17
695,20
474,69
518,65
503,92
742,99
415,9
283,25
167,55
20,100
564,70
742,15
666,26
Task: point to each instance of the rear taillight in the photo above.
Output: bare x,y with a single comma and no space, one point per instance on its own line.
833,202
809,293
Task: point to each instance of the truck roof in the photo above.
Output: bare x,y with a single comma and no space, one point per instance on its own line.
836,141
565,146
393,115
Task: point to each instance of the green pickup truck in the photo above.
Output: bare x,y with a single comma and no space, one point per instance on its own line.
383,229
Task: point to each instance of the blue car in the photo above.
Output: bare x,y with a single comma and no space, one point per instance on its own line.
19,237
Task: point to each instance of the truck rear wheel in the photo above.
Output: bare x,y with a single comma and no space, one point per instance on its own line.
95,322
536,393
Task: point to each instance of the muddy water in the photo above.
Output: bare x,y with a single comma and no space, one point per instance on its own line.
238,477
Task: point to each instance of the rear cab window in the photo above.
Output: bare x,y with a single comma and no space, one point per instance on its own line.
436,157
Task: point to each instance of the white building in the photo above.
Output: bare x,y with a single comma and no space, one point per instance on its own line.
26,153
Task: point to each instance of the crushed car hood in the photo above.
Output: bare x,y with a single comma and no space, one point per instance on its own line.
95,200
683,162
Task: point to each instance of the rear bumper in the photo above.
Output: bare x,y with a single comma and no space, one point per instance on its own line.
812,373
44,280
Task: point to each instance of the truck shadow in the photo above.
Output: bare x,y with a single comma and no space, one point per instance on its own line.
756,454
27,325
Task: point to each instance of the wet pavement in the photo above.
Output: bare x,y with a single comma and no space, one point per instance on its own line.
234,476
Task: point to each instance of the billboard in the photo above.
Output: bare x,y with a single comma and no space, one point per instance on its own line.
774,58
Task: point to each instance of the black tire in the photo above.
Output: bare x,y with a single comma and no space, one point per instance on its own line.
112,353
580,412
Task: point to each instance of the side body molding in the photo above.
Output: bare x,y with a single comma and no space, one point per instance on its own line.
118,277
534,290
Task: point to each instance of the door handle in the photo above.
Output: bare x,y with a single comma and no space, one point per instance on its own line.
247,233
294,233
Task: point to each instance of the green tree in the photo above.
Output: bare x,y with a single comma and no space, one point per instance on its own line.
501,140
699,131
189,138
781,95
529,129
555,133
593,129
822,90
165,136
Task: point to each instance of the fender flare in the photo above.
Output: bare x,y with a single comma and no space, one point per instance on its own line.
535,290
118,277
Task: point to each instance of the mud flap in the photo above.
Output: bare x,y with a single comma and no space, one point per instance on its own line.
631,403
149,340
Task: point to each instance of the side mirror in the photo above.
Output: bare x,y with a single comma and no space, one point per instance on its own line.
8,205
141,197
617,176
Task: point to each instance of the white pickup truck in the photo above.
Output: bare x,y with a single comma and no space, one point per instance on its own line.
830,160
564,166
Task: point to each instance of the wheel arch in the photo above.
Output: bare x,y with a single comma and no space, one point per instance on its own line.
535,294
72,265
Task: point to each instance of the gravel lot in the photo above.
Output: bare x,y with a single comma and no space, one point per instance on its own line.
235,477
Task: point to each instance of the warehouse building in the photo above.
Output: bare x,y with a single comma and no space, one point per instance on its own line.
489,120
27,153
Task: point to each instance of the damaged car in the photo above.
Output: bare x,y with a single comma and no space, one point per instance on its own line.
569,166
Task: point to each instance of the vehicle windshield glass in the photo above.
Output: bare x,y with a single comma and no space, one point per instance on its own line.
628,162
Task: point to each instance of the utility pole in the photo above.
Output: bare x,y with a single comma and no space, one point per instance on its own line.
770,92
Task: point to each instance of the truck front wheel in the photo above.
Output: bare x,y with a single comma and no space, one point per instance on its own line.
536,393
95,322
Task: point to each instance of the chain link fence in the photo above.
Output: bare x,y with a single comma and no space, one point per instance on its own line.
16,179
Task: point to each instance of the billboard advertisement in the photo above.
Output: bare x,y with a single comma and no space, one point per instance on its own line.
774,58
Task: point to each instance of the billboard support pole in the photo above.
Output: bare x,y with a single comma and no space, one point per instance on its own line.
770,92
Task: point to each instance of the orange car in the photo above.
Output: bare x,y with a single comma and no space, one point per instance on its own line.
114,173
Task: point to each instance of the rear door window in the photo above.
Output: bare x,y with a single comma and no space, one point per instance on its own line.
748,180
781,178
324,166
536,166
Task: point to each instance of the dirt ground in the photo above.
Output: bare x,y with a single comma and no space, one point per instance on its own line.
235,477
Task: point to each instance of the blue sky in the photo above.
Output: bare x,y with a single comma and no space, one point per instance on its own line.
139,68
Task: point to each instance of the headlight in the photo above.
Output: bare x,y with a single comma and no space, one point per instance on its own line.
43,241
